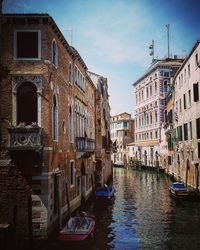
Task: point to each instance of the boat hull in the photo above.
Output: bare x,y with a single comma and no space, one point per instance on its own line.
180,191
77,235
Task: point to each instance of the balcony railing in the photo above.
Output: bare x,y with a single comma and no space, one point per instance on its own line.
25,138
84,144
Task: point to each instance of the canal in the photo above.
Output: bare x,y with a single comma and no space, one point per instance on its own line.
141,216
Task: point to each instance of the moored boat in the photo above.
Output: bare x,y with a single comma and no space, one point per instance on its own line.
78,228
179,190
105,191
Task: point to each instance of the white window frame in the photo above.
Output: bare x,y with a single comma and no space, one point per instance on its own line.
15,45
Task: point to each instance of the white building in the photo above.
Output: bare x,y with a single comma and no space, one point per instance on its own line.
186,133
150,92
122,133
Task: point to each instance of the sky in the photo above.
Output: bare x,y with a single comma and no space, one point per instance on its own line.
113,36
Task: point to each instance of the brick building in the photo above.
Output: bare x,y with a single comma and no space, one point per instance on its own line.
47,125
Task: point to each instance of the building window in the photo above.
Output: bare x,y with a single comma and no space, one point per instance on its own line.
198,149
156,116
54,55
27,97
169,160
147,92
185,128
198,128
55,119
179,132
189,98
150,118
180,106
27,44
188,70
196,91
196,60
190,130
165,87
150,90
156,87
70,73
156,134
166,74
125,124
72,173
70,126
64,127
184,101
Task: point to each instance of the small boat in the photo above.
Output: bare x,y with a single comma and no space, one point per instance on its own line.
78,228
179,190
105,191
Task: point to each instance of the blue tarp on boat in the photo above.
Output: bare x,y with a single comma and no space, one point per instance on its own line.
105,191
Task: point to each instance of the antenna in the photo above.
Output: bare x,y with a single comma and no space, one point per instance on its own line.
167,26
151,47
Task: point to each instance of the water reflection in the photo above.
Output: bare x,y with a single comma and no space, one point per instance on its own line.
141,216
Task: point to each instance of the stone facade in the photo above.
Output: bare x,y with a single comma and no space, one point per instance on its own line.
186,120
122,133
103,169
150,93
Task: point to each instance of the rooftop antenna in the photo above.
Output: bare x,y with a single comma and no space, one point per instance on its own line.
151,47
167,26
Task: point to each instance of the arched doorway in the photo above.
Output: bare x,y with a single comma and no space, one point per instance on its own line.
27,108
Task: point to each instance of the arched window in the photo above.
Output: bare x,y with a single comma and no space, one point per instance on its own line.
147,92
150,118
156,116
27,108
55,119
156,87
150,90
54,59
147,119
70,125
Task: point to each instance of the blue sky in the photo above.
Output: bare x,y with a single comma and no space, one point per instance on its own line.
113,36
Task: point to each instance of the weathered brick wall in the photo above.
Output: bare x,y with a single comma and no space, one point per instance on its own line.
14,199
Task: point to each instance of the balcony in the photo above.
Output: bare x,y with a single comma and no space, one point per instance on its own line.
84,144
25,138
